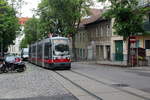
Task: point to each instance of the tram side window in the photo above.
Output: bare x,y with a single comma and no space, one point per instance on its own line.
50,51
29,51
40,52
46,51
33,51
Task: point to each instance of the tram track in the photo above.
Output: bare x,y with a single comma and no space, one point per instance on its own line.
80,87
112,85
98,81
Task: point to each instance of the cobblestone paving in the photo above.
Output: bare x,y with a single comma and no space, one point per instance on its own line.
34,84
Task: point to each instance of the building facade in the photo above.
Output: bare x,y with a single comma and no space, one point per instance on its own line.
119,47
96,40
93,42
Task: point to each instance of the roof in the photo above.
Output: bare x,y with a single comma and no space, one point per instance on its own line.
47,40
23,20
95,14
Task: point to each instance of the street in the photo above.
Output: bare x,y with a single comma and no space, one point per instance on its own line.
134,77
83,82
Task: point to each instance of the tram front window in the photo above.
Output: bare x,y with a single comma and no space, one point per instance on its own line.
61,47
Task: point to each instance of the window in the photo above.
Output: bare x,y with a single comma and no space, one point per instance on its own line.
96,31
81,52
147,44
46,50
108,30
137,43
39,50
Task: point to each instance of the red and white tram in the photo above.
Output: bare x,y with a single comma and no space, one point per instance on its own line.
51,53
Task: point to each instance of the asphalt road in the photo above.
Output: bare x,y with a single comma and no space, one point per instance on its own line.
132,77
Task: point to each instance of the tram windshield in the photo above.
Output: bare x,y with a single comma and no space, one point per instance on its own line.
61,47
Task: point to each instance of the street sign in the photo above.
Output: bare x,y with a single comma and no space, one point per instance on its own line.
132,39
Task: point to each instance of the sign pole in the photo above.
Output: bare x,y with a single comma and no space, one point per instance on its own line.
132,46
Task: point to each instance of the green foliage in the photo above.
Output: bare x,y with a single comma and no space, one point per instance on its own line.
24,43
146,9
8,24
62,16
31,32
128,17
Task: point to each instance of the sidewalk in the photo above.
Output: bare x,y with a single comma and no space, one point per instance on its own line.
114,63
109,63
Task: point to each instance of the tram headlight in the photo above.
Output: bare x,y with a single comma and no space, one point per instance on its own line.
68,58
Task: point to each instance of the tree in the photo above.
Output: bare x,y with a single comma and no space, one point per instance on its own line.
128,18
31,32
24,43
8,25
63,16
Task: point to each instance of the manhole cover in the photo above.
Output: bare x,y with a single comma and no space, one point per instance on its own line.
120,85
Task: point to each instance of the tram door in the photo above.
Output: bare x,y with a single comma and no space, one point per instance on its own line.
46,53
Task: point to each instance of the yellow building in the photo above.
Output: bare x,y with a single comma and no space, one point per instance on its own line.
119,47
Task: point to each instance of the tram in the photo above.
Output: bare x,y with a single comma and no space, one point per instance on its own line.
52,53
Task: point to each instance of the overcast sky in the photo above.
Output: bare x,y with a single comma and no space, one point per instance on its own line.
32,4
28,7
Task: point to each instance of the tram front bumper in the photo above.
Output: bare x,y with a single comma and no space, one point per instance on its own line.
60,65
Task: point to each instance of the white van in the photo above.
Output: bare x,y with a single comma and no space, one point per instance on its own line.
25,53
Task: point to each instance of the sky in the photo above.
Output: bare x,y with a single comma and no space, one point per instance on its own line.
28,7
32,4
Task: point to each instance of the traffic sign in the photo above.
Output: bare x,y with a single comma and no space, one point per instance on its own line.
132,39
